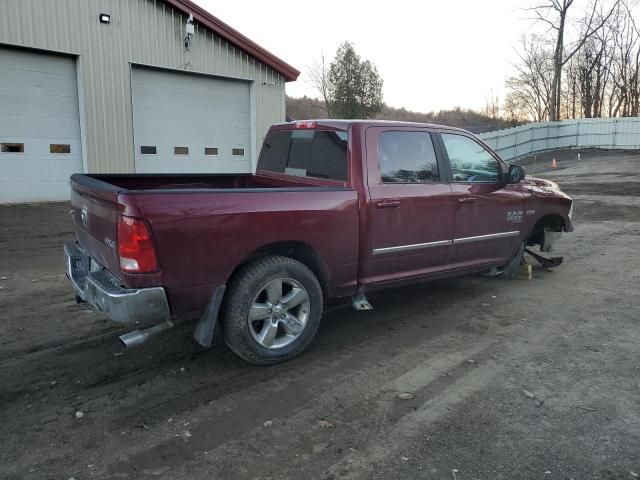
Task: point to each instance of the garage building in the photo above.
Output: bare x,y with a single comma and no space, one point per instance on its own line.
121,86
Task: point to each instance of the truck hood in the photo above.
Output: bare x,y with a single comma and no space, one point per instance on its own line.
541,185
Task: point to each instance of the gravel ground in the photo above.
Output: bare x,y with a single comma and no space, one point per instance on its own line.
507,379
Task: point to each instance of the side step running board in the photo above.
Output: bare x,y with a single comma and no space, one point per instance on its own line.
360,302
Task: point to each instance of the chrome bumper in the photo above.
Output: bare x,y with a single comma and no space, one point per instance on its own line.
98,287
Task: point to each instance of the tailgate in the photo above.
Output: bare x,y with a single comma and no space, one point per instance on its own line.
94,212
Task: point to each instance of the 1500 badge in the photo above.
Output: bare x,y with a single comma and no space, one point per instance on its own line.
515,216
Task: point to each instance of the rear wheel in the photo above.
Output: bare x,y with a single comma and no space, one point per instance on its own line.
273,310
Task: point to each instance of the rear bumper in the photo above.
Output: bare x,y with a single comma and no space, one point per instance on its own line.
98,287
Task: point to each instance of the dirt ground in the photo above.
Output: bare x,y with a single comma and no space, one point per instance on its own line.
467,349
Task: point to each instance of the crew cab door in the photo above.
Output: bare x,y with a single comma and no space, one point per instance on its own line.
409,209
488,213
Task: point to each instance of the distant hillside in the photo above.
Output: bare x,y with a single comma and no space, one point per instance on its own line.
305,107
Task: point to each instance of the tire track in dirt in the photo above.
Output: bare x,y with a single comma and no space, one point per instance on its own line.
302,407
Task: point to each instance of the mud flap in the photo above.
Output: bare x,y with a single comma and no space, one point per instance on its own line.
207,327
513,267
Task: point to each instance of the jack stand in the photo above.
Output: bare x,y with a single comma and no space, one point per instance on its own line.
545,262
360,302
494,272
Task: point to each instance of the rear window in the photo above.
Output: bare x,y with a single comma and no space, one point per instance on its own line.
306,153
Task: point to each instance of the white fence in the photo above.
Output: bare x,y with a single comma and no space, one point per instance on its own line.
610,133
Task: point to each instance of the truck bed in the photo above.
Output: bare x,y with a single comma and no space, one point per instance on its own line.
119,183
203,226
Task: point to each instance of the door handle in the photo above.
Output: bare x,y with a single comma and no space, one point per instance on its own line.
467,200
388,204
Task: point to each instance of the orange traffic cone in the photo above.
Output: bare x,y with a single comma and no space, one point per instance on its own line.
554,164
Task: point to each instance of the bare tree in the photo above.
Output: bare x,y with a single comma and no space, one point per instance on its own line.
492,105
625,95
319,76
592,68
597,74
634,81
530,88
558,11
572,91
514,111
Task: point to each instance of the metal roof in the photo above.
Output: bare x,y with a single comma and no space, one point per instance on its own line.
231,35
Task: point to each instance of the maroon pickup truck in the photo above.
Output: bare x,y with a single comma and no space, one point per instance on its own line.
335,209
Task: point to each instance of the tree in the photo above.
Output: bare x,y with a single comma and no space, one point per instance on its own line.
351,87
319,75
580,66
530,88
491,105
592,24
591,76
625,67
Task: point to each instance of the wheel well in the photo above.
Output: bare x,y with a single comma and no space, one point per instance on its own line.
298,251
555,223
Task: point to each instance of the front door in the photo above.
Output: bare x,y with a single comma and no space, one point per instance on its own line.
488,213
409,209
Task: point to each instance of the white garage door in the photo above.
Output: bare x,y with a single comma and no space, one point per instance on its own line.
39,126
186,123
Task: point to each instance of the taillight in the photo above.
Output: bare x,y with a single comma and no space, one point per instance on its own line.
135,246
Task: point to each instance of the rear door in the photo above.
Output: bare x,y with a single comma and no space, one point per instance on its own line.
488,213
409,210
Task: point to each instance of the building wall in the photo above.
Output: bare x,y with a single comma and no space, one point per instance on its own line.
145,32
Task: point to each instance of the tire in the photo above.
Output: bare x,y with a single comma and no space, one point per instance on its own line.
254,290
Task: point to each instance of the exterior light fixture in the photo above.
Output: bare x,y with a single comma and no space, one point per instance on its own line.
105,18
190,30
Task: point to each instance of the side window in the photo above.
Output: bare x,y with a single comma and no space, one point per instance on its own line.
470,161
407,157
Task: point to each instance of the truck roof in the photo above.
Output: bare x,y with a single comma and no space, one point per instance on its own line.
345,124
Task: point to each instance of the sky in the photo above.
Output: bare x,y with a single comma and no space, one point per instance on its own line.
431,54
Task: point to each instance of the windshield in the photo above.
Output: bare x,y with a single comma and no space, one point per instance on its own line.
305,153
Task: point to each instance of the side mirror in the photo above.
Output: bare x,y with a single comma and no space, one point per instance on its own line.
516,174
